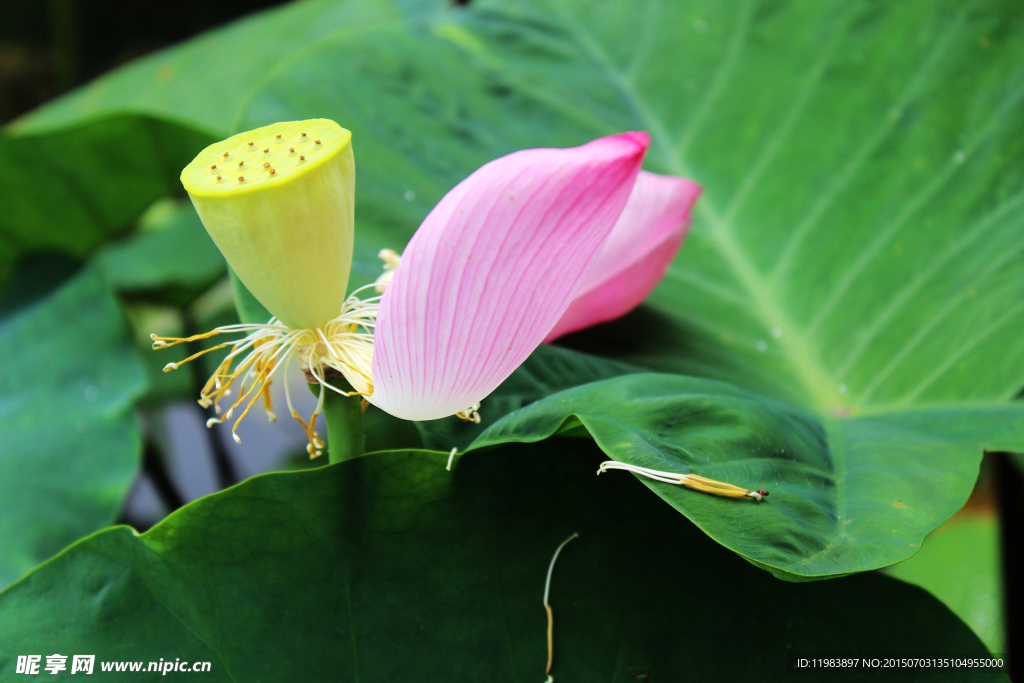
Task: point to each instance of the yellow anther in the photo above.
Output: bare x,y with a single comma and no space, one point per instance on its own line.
266,164
470,414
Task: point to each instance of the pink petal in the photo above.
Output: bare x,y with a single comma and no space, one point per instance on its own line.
637,254
492,269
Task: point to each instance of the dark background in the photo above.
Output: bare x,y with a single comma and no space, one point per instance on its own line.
48,47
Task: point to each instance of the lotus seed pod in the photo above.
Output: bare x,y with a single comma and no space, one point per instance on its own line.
284,220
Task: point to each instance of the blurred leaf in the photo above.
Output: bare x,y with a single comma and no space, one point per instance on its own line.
388,567
846,496
34,278
201,83
72,188
960,566
70,440
84,167
171,256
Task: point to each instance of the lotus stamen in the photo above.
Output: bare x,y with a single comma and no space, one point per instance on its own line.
693,481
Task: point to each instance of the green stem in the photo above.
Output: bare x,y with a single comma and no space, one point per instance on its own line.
344,417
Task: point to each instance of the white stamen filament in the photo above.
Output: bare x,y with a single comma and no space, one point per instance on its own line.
451,456
344,344
547,607
692,481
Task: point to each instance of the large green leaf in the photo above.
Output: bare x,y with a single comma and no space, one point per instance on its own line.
70,442
846,496
388,567
855,253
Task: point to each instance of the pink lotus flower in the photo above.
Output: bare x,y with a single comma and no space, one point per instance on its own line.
529,247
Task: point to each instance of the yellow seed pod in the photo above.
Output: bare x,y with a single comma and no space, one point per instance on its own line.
279,202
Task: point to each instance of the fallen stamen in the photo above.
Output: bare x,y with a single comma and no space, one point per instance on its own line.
547,607
693,481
